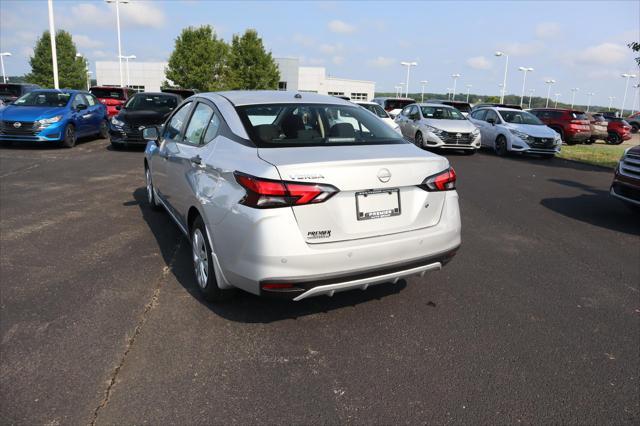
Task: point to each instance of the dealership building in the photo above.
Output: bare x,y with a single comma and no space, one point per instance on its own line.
149,77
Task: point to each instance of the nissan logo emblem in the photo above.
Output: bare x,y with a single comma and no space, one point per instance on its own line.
458,135
17,124
384,175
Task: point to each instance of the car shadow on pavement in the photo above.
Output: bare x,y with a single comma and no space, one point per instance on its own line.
596,207
244,307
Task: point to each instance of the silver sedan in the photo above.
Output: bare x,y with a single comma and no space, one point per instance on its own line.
297,194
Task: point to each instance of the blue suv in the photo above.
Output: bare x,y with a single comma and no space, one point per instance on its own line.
58,116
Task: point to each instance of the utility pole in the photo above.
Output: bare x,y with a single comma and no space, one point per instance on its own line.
504,81
54,54
455,80
549,83
408,65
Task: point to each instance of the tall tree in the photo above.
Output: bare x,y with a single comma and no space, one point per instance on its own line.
251,66
199,60
71,70
635,46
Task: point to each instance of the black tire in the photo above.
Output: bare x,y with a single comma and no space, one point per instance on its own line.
635,127
151,194
207,283
590,141
70,137
501,146
614,139
103,133
117,146
5,144
419,139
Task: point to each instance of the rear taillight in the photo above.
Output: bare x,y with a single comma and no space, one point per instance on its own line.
443,181
268,193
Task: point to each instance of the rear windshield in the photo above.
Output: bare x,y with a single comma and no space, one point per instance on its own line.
441,113
460,106
44,99
520,117
106,93
391,104
160,103
300,125
376,109
10,89
579,115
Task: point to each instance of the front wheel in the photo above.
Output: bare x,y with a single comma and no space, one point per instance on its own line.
419,140
501,146
614,139
70,136
151,193
104,130
203,265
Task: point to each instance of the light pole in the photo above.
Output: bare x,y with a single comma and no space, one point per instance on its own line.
448,93
117,2
557,95
635,95
525,70
626,86
89,79
468,89
455,81
408,65
424,83
504,81
401,88
4,76
397,90
611,99
589,95
54,53
573,95
531,91
127,59
549,83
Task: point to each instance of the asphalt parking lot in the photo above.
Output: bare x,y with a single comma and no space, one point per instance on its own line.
536,320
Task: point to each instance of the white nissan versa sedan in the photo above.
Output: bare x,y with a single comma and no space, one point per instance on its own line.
298,194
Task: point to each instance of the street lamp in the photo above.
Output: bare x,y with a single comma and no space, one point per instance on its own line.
117,2
2,55
557,95
408,65
424,83
549,83
54,53
397,90
611,99
127,59
531,91
589,95
89,79
525,70
504,82
455,80
626,86
401,88
448,93
573,95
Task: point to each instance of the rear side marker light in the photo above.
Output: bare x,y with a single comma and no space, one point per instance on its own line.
443,181
268,193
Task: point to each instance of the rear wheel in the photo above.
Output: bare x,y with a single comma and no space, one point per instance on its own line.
104,130
70,136
501,146
635,127
203,265
419,140
590,141
614,139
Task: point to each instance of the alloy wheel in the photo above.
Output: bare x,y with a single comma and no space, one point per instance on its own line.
147,175
200,258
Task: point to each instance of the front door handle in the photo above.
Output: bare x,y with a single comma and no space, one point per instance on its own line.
196,160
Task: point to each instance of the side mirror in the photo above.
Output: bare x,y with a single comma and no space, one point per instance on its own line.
151,134
80,107
118,107
491,121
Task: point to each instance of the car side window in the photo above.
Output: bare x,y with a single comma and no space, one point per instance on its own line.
198,124
78,99
479,115
406,110
91,101
212,129
491,114
413,112
175,124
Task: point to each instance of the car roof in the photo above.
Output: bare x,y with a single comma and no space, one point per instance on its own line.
440,101
257,97
157,94
434,104
394,98
70,91
364,103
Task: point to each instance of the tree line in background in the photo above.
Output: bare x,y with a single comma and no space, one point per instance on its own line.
201,60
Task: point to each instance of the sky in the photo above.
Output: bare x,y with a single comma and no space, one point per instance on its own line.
580,44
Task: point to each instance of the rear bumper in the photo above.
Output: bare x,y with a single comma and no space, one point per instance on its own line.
263,249
577,136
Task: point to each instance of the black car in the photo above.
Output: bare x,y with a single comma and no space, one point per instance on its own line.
463,107
9,92
185,93
142,110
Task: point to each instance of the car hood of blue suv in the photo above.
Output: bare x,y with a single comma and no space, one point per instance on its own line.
30,113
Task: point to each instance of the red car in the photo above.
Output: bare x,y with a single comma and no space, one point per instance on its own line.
112,97
626,181
573,126
619,129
